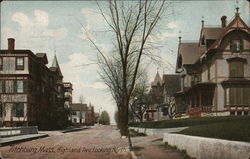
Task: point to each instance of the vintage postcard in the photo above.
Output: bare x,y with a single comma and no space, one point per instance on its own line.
125,79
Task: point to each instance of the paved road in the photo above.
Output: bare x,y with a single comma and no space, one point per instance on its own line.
97,143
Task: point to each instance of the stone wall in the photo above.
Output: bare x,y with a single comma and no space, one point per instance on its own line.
209,148
150,132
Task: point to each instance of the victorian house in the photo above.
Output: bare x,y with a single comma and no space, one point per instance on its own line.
215,71
28,88
162,94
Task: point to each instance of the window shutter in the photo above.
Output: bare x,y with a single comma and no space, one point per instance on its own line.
25,86
14,110
15,86
4,83
240,70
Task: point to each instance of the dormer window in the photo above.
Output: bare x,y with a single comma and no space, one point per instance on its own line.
236,45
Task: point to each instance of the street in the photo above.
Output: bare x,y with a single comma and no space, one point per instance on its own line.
101,142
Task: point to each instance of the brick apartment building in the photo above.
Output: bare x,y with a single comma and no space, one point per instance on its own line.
29,89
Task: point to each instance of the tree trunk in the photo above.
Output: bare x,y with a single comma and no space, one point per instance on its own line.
124,119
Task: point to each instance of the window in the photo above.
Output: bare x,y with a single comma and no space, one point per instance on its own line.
19,63
59,89
236,69
245,113
18,110
239,113
195,78
1,63
75,120
239,96
74,113
236,45
19,86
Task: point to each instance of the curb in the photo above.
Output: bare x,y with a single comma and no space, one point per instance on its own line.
72,130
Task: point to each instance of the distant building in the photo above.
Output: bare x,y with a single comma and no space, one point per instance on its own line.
81,114
162,93
90,115
156,94
215,72
78,113
68,88
28,87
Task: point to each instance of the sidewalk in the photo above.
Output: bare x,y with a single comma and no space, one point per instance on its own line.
21,138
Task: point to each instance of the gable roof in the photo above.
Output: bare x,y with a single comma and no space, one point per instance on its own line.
189,52
55,66
172,84
78,107
236,24
157,80
211,33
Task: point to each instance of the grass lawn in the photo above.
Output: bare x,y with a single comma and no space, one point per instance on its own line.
190,122
234,130
228,127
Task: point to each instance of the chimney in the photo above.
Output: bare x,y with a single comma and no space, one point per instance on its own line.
11,44
223,21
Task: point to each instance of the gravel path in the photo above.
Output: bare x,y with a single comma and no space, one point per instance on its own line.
153,148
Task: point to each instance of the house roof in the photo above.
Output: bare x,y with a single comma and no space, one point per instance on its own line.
157,80
55,66
172,84
43,56
78,107
212,33
16,52
189,52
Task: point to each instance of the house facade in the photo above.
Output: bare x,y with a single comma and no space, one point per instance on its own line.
81,114
215,71
162,94
28,88
68,89
78,113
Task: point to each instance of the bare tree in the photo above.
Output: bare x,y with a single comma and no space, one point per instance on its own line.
140,100
132,24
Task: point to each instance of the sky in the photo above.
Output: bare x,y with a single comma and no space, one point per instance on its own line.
55,28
